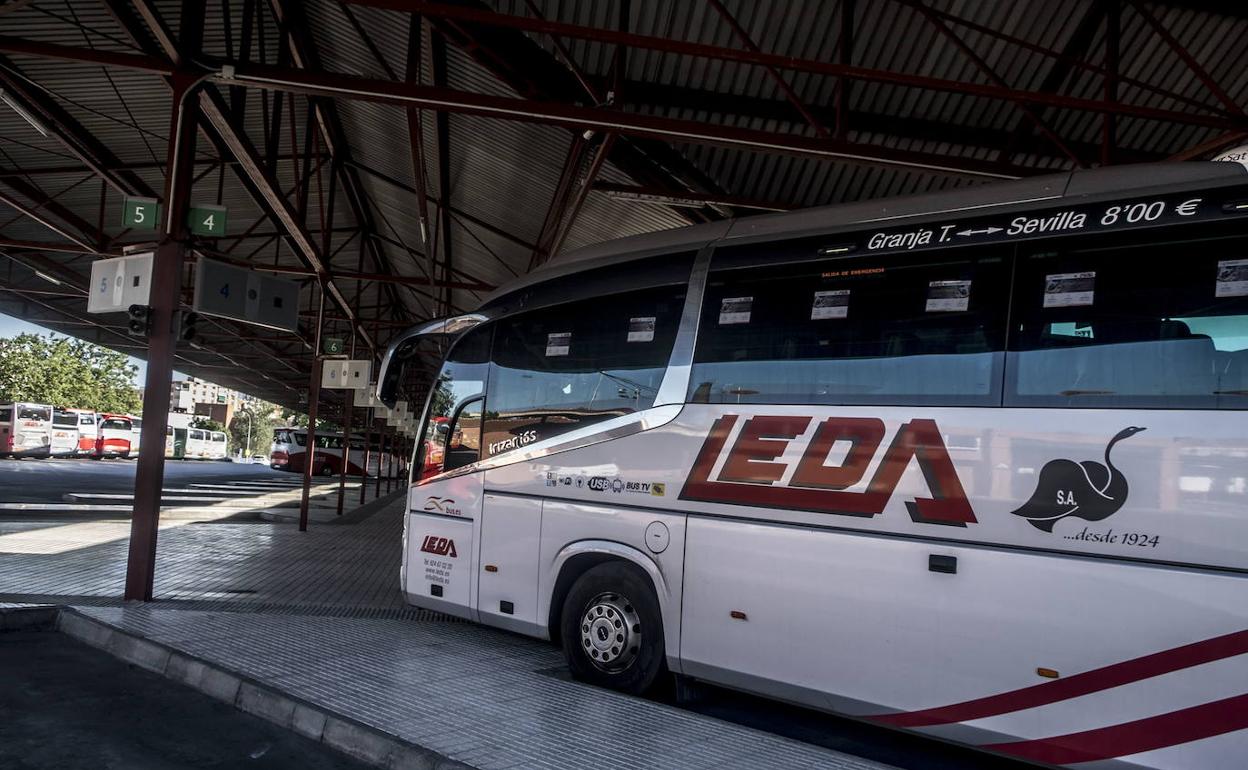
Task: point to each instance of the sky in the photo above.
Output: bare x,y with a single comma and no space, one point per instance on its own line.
11,327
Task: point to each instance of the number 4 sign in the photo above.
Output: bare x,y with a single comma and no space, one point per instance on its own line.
207,220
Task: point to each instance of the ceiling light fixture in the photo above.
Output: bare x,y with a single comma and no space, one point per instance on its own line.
21,111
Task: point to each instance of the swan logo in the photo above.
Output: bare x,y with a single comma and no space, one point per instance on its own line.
1086,490
749,474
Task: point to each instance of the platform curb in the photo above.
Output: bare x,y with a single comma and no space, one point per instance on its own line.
34,617
339,732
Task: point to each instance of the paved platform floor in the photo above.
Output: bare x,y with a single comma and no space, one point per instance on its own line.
478,696
348,566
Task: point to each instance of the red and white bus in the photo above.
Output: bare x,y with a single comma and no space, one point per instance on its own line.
25,429
136,431
86,431
289,451
114,434
973,464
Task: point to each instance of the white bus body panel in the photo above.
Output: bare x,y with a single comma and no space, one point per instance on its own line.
64,440
441,531
844,613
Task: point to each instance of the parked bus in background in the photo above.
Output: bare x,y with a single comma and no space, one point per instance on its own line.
196,444
25,429
176,434
972,464
217,446
86,431
289,451
136,430
65,433
113,436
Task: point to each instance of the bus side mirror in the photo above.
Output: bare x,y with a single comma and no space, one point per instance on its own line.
393,364
403,348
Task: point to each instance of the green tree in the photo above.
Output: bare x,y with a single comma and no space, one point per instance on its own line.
300,420
259,418
207,423
68,373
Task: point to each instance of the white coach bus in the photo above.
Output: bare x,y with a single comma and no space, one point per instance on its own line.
972,464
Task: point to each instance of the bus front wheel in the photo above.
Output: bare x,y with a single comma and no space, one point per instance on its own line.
612,629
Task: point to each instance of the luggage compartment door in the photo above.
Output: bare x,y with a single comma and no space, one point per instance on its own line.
511,529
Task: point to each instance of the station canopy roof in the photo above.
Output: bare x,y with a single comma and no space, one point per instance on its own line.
413,156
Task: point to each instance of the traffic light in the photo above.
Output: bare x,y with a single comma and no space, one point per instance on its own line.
187,332
140,324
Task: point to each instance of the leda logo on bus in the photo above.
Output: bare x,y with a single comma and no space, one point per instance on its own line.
749,472
440,546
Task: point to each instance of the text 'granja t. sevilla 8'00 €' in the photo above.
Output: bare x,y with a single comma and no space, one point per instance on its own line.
749,472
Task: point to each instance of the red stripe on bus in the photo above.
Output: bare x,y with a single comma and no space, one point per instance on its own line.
1183,726
1114,675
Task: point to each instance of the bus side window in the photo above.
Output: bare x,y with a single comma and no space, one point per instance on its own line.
461,378
463,439
894,330
1146,326
557,369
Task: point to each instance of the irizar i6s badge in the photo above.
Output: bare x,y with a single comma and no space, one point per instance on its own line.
1086,490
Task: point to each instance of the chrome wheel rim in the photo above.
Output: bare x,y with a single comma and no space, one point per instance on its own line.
610,632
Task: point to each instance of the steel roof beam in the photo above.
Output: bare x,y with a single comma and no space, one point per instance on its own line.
543,76
908,128
599,119
216,113
415,134
303,52
130,61
442,132
70,133
43,201
866,74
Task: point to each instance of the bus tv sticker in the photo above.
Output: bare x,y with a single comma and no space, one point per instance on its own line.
948,296
830,304
1069,289
558,344
735,310
641,329
1232,278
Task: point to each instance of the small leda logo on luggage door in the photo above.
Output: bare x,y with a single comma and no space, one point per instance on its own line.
442,546
750,470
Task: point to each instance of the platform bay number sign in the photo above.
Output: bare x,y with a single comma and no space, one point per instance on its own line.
346,374
230,291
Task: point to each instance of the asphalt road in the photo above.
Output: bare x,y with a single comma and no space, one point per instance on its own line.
68,706
46,480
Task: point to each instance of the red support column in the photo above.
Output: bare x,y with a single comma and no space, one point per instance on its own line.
381,458
314,397
368,451
347,407
164,299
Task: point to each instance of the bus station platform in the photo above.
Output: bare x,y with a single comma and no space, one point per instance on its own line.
426,692
309,630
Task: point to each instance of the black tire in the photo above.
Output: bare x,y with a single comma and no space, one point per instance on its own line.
326,470
605,597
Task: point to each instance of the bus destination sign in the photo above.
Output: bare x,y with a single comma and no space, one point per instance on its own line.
1068,220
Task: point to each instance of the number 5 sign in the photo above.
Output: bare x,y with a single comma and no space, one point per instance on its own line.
140,213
